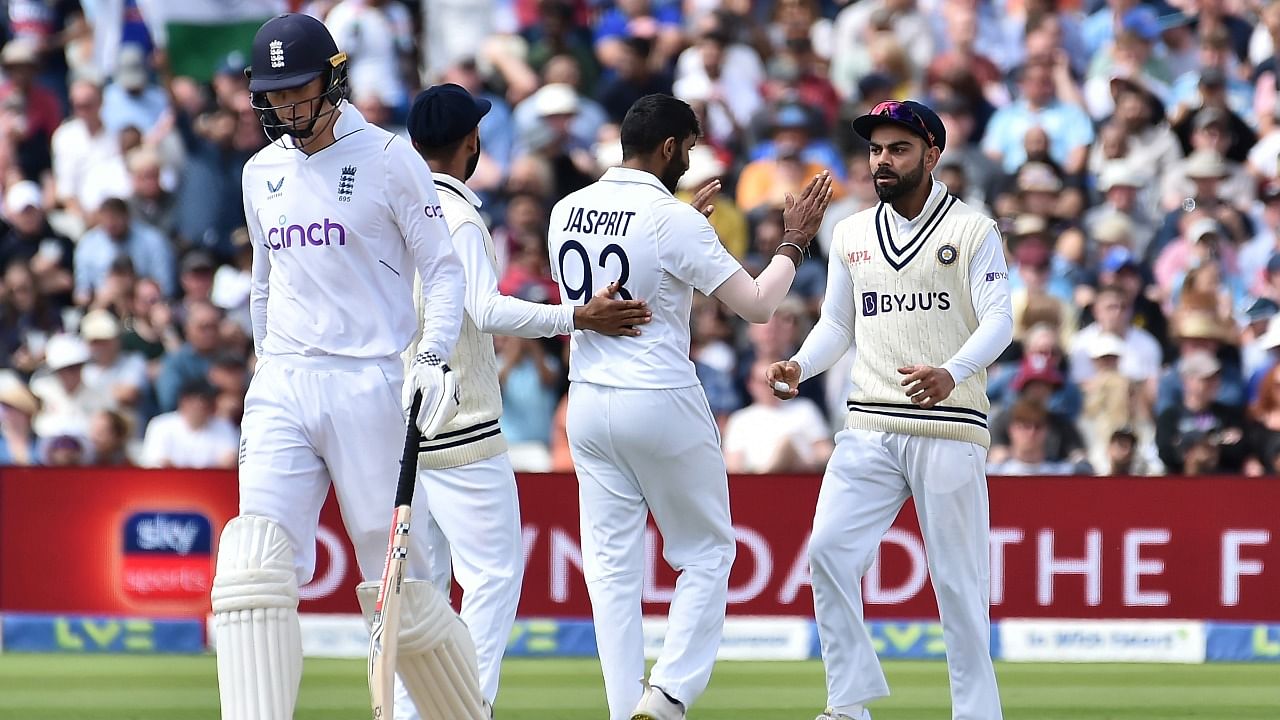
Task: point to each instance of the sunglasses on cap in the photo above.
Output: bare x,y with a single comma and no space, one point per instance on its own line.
898,111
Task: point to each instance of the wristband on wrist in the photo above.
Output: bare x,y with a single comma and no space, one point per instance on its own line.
799,252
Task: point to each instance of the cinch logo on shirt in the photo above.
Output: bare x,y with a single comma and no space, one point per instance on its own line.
874,303
327,232
167,556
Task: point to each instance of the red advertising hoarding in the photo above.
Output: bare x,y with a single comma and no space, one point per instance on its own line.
143,542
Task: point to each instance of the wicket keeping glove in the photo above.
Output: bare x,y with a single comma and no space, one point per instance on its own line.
430,376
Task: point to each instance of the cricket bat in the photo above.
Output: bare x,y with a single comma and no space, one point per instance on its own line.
385,631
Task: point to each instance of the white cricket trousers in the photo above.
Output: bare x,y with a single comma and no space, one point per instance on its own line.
636,452
869,477
474,530
309,421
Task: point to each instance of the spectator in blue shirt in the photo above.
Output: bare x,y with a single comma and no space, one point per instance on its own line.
132,100
1215,74
1068,127
658,20
193,360
116,234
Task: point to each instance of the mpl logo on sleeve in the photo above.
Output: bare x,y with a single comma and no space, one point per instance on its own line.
167,556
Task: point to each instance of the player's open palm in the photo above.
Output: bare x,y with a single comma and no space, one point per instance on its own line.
802,216
704,195
607,316
784,379
926,385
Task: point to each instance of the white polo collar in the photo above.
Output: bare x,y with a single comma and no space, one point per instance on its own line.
631,175
457,186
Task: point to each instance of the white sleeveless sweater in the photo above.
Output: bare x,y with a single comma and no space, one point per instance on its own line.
913,306
474,433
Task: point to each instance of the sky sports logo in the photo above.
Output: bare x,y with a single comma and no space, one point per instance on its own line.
874,303
167,556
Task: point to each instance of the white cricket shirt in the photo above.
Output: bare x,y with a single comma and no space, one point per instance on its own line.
628,227
337,236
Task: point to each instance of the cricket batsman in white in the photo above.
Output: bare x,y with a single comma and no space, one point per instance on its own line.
642,436
474,514
918,283
341,215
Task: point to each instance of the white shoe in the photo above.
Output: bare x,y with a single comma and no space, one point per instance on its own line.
655,705
830,714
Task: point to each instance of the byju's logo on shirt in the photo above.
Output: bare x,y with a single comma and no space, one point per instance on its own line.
346,183
874,303
275,189
325,232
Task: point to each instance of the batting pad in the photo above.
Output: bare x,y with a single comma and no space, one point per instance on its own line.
437,658
255,617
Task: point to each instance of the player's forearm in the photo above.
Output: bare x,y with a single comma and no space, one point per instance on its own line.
755,299
832,337
443,291
988,341
823,347
989,290
505,315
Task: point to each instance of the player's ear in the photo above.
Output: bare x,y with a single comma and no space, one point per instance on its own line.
931,157
669,148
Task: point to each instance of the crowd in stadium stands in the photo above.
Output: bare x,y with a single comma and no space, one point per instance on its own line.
1130,151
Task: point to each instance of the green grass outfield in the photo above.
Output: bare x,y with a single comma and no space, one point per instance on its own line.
61,687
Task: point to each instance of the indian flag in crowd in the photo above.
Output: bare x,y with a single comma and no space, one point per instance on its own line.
200,34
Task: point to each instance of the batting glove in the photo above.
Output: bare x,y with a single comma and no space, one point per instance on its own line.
430,376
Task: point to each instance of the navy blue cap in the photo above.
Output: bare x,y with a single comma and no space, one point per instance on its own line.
909,114
290,51
444,114
1262,309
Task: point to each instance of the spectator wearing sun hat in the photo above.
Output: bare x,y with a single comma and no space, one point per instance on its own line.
119,377
29,237
17,407
1203,240
1121,186
1110,397
1204,332
1198,417
67,402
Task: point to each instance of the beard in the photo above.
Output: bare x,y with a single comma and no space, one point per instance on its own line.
472,163
671,174
904,185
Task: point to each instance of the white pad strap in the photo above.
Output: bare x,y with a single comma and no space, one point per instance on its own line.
437,658
255,617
